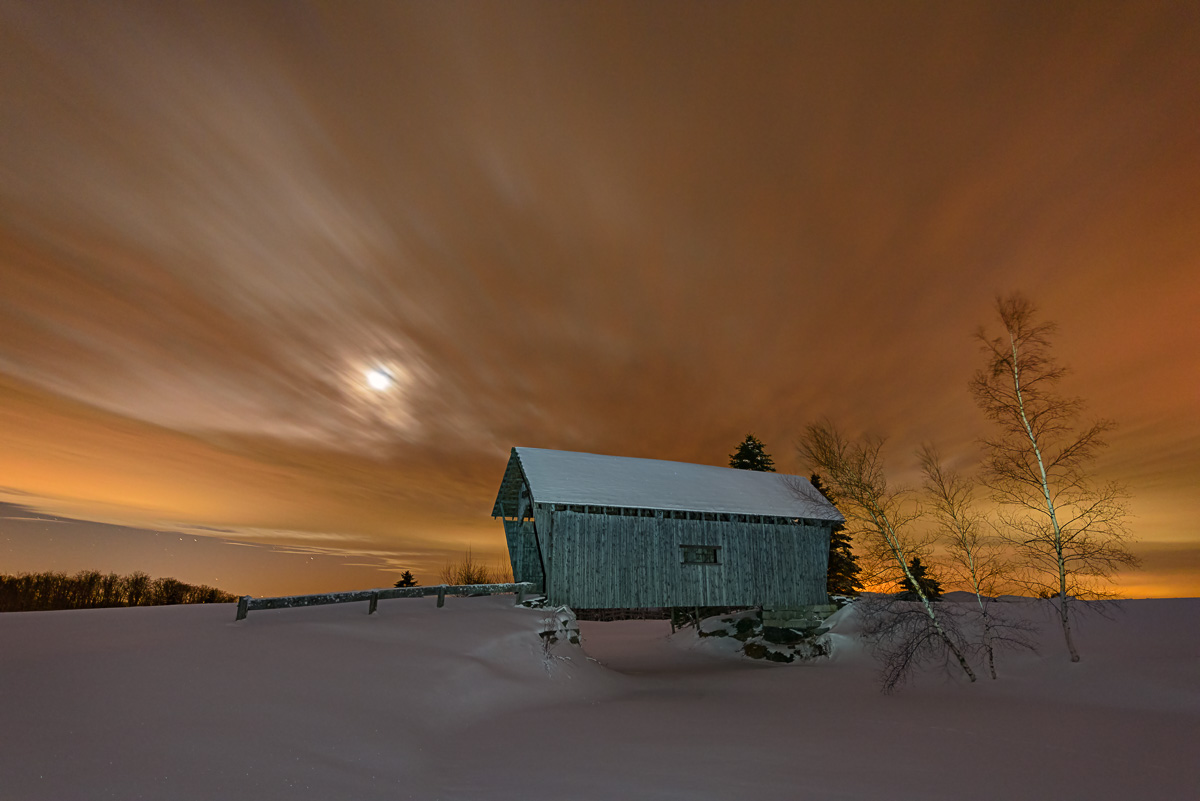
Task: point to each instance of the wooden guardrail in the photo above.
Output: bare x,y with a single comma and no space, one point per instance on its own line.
247,604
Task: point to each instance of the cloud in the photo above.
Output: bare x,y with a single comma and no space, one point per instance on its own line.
563,229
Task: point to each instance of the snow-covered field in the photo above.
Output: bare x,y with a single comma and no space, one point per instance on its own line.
461,703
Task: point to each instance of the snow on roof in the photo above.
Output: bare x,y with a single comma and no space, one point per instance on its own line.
597,480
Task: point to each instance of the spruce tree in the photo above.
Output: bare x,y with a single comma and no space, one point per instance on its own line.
750,455
928,584
406,580
842,576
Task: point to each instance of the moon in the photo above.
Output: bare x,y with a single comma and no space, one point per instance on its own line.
378,379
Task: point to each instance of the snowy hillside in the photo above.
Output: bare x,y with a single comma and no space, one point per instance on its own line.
462,703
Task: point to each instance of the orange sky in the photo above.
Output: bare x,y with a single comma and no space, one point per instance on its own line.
629,228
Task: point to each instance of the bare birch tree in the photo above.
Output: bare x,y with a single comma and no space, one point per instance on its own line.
1068,528
880,516
975,550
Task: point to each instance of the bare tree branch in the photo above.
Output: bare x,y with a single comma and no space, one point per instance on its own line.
974,548
1069,530
880,516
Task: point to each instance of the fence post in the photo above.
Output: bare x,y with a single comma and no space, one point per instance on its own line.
441,596
243,607
374,603
521,595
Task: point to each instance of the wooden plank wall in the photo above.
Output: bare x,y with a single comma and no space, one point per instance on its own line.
523,553
544,532
624,561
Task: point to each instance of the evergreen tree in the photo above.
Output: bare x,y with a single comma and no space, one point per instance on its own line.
928,584
842,576
406,580
750,455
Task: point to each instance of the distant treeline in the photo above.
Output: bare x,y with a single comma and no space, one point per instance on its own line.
91,589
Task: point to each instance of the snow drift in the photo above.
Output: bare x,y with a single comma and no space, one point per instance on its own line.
466,702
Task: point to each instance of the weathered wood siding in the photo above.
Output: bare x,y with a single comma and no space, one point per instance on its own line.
523,553
543,530
611,561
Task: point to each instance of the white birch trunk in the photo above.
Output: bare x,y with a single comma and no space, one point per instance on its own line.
1057,542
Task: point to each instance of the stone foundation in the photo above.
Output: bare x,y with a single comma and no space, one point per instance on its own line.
802,642
805,619
560,625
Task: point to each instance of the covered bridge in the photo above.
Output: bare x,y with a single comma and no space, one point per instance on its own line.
610,532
